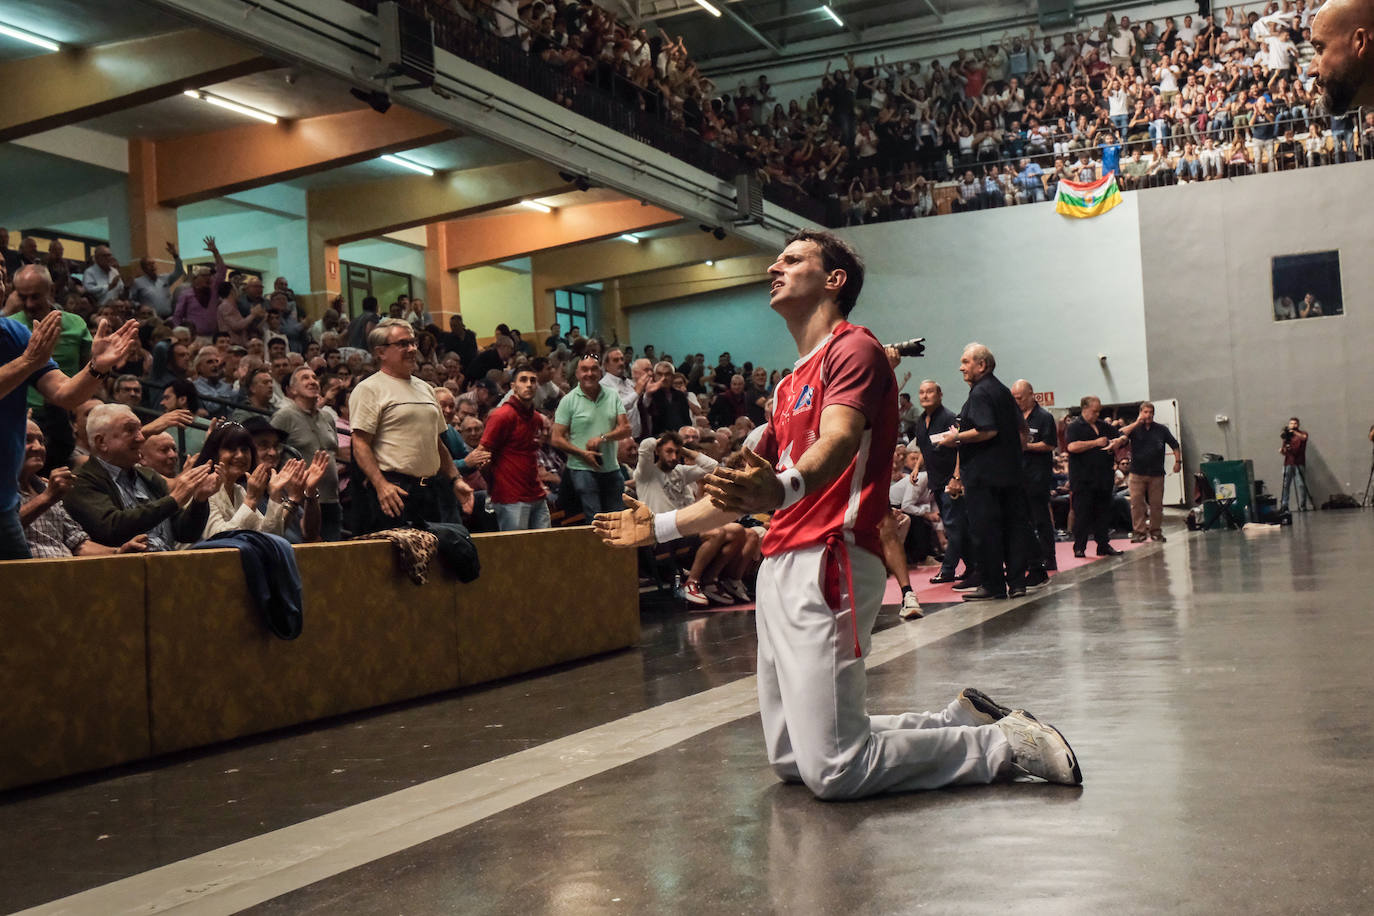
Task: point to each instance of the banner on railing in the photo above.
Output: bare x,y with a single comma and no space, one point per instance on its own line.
1081,200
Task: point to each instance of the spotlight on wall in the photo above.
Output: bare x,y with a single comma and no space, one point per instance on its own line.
407,164
710,263
45,43
377,99
230,106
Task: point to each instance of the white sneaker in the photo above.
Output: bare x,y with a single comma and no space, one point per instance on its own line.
692,592
1040,750
911,607
977,708
717,594
737,588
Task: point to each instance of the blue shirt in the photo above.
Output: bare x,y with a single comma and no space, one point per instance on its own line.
14,338
1111,159
1029,178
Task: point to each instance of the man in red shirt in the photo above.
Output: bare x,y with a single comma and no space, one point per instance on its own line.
512,438
823,469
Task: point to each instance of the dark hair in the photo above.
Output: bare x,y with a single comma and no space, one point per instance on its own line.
184,388
668,435
524,370
246,385
224,289
227,436
539,363
369,303
836,254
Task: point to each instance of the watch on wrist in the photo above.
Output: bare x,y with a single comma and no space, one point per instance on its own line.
96,373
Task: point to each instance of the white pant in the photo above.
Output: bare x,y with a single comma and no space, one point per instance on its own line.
812,692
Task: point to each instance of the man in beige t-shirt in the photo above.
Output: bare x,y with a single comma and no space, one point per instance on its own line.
408,477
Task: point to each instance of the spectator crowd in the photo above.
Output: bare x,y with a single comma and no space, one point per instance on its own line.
216,408
1183,99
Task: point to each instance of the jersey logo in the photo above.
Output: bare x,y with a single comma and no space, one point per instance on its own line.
803,400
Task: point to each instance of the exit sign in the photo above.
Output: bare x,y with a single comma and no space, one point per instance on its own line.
1044,398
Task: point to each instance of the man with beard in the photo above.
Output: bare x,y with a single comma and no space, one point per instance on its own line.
1343,37
512,439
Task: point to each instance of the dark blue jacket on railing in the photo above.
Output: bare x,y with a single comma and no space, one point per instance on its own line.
274,581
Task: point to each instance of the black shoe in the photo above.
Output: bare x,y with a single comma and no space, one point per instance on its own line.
1108,551
1036,578
1018,591
941,578
1080,553
967,585
983,594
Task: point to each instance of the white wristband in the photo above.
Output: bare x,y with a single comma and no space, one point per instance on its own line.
793,487
665,527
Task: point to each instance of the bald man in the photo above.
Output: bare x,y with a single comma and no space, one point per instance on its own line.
1343,37
1037,463
33,291
102,279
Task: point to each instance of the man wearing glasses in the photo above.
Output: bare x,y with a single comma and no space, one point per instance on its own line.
408,477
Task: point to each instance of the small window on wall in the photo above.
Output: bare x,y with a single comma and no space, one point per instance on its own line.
361,281
1307,286
573,308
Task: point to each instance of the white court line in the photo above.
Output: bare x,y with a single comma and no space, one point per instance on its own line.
253,871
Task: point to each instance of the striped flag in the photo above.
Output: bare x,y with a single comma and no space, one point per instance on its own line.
1081,200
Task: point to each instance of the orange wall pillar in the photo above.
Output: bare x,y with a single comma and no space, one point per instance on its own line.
441,284
151,225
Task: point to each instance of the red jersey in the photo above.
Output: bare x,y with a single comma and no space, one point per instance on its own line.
849,367
512,437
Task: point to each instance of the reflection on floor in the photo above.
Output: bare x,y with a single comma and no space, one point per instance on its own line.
1217,689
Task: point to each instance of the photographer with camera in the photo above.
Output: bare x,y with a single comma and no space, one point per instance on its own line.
1294,452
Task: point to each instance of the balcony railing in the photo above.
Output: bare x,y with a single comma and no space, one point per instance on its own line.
605,96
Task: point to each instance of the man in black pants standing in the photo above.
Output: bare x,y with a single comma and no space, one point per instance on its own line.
939,463
1091,467
1037,462
989,443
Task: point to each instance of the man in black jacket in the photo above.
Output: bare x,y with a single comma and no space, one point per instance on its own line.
939,463
1091,476
989,441
115,499
1037,462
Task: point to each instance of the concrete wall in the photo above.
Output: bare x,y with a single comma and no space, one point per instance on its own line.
489,296
736,319
1047,294
1213,344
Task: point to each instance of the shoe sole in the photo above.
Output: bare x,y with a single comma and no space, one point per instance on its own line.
1073,758
911,614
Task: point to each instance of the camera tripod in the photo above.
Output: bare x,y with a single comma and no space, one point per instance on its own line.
1369,486
1305,501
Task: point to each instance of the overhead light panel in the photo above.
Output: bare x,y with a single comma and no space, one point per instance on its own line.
231,106
45,43
536,205
829,12
709,8
407,164
632,239
710,263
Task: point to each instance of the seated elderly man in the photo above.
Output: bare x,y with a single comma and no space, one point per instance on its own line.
665,478
48,528
116,499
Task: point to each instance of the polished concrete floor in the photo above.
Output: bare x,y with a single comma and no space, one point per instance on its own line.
1218,689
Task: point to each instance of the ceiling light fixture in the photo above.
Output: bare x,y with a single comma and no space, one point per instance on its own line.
634,240
45,43
536,205
709,8
407,164
710,263
832,14
231,106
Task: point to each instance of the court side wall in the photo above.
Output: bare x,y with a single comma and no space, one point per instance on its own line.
1046,293
1206,252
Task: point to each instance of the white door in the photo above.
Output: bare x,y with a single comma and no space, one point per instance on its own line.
1177,492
